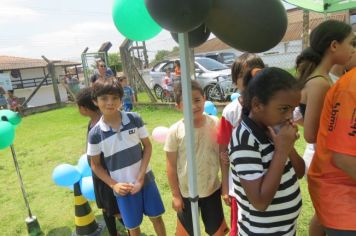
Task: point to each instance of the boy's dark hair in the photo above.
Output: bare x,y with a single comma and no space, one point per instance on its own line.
250,73
178,90
320,40
108,86
265,84
10,91
84,99
245,62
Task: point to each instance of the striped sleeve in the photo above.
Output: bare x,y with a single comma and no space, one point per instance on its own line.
94,140
245,155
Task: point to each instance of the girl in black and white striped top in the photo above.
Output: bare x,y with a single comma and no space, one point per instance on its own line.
265,164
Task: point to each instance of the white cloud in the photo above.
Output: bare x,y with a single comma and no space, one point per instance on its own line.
16,50
74,33
72,40
10,13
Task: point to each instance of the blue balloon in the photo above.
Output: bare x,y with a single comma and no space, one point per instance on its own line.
83,166
65,175
235,96
71,187
87,188
215,112
210,108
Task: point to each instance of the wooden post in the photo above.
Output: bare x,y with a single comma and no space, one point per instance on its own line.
52,72
145,54
305,42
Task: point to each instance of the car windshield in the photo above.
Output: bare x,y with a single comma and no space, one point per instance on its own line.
210,64
228,57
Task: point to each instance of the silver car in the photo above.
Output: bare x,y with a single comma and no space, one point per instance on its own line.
213,76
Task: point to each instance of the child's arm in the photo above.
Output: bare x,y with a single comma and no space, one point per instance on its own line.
316,89
133,96
297,163
171,166
120,188
260,192
346,163
224,166
146,156
223,138
133,99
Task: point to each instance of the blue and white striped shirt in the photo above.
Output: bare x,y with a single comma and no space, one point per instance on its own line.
122,150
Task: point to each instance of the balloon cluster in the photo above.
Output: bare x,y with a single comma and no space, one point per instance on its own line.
210,109
67,175
8,122
247,25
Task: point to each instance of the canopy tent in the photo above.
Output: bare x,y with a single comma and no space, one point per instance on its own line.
324,6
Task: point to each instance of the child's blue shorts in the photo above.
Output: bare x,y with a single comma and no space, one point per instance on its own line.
132,207
127,107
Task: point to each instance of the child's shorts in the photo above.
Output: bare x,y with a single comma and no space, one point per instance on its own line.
211,212
148,201
127,107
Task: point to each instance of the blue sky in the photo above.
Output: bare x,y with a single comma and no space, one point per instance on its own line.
62,29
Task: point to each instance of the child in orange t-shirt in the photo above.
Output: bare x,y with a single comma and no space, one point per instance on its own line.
177,69
332,174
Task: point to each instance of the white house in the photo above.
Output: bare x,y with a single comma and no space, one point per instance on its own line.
26,74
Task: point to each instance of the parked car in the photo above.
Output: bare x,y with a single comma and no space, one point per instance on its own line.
226,58
213,76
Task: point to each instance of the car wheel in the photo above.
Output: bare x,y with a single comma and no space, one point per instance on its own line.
167,96
158,91
213,93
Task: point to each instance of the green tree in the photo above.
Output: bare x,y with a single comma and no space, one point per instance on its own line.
161,54
115,61
175,49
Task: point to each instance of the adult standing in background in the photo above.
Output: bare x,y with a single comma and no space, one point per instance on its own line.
101,72
72,83
3,102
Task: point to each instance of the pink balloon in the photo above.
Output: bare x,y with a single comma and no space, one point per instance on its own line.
159,134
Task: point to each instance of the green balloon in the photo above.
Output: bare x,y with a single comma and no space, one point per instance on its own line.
7,134
13,117
132,19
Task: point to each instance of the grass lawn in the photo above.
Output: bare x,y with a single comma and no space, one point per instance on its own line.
48,139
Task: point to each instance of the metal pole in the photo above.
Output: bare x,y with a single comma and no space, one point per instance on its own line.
189,128
20,180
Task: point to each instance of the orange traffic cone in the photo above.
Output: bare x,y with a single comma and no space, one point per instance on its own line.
85,223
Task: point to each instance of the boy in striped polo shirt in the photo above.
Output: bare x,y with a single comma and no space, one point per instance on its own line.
120,136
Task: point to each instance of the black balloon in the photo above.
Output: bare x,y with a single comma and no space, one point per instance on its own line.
248,25
179,15
196,37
